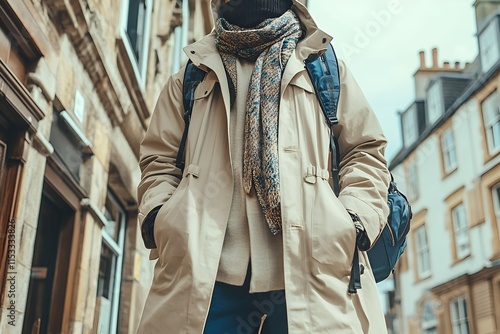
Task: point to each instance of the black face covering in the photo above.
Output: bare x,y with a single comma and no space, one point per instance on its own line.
249,13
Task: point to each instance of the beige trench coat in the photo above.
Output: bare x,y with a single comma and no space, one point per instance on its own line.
318,233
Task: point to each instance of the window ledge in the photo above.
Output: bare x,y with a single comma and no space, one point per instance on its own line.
490,156
94,211
85,144
446,174
459,260
423,278
496,256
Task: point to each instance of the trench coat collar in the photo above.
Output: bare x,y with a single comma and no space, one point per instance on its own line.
204,54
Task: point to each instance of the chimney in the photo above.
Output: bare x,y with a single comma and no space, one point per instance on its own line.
422,59
435,58
457,65
446,65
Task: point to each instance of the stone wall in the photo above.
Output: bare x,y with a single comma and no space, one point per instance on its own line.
87,56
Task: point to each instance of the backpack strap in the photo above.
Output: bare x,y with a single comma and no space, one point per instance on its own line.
383,255
324,72
193,76
325,76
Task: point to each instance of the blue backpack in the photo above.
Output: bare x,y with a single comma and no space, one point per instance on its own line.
324,74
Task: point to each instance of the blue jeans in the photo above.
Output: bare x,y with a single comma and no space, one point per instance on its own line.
234,310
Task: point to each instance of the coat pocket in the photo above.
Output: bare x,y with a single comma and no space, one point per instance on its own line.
159,220
170,225
333,232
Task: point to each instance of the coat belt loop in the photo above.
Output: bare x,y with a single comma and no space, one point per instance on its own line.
313,172
193,170
324,174
310,175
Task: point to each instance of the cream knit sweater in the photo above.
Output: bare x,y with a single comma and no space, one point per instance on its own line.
248,239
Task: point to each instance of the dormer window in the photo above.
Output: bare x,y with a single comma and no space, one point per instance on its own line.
434,103
489,45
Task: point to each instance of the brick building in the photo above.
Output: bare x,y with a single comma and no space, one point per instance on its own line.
78,81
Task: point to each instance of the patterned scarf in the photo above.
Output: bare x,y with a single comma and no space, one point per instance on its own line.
270,44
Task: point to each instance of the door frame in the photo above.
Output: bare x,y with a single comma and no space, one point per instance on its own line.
15,160
72,193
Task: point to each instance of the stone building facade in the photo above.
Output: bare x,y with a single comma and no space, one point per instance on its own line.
78,82
448,280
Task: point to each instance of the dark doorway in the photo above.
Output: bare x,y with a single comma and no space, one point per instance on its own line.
51,257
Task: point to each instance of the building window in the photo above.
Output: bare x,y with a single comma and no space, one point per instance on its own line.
136,27
181,35
491,115
410,127
459,318
135,32
412,178
110,266
448,150
429,320
489,47
496,205
71,146
434,103
422,252
460,231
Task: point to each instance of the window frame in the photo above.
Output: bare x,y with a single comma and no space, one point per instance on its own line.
495,190
462,318
459,227
490,124
422,255
448,150
429,324
486,40
412,177
181,37
436,108
117,247
410,126
139,68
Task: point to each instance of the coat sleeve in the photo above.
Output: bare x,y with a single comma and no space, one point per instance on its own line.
158,151
363,176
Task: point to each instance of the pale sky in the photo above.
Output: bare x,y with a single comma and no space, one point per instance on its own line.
384,60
